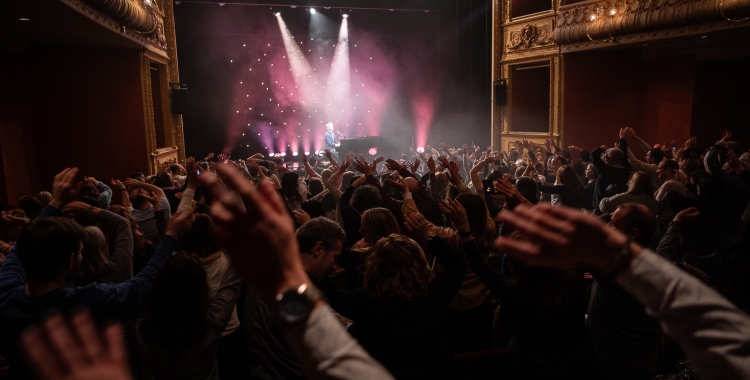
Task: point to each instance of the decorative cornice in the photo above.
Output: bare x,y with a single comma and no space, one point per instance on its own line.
531,35
134,14
612,20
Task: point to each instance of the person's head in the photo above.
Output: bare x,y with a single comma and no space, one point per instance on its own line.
364,198
613,157
138,176
138,197
513,155
520,170
442,182
585,156
558,162
320,241
325,175
591,172
396,268
412,184
174,169
376,223
329,126
346,180
313,208
315,186
476,212
640,183
667,169
30,205
527,187
568,177
163,180
177,314
44,198
636,221
94,257
200,238
654,156
49,248
290,187
88,189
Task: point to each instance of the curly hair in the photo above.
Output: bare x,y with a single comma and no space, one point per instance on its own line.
364,198
396,268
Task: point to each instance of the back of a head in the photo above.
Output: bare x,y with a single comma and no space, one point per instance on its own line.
319,229
672,164
381,222
94,264
396,268
44,198
163,180
174,169
527,187
199,239
177,312
364,198
568,177
313,208
45,244
346,180
441,180
315,186
30,205
638,216
88,189
615,155
290,180
585,156
656,154
641,184
325,175
476,212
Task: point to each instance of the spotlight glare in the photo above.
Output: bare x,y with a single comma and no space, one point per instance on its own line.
312,11
277,14
295,154
345,15
420,150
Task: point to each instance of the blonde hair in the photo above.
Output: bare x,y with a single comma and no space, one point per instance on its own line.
397,268
380,221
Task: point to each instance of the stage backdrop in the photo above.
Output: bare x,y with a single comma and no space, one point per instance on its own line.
413,75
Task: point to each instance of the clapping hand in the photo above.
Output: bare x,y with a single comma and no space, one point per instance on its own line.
65,188
417,226
363,167
400,185
456,213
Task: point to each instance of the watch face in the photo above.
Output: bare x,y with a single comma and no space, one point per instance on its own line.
294,306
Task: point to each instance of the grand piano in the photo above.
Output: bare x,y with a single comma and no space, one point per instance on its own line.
385,145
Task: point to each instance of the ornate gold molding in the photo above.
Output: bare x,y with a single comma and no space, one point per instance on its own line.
531,35
134,14
148,110
613,20
173,74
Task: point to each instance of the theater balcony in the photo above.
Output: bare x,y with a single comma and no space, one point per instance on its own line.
85,83
577,71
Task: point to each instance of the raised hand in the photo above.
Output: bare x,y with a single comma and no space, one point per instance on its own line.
363,167
374,165
431,164
75,350
687,215
417,226
301,217
574,148
456,213
76,208
514,197
415,166
400,185
90,179
562,237
64,188
258,234
392,164
116,183
180,222
344,166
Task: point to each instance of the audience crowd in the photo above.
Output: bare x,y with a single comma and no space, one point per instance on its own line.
621,262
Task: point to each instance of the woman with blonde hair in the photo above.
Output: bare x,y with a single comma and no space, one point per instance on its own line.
376,223
401,311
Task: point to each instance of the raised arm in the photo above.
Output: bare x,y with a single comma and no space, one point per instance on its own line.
129,182
311,173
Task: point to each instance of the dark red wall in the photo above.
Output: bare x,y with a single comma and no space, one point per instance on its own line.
722,101
530,97
84,108
606,91
526,7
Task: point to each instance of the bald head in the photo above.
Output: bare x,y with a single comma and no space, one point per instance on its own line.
412,183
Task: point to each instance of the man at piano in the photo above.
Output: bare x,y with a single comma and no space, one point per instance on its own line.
330,140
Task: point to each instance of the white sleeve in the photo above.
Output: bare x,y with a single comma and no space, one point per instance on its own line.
714,333
326,351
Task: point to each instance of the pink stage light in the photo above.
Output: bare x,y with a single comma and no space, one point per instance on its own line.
373,151
420,149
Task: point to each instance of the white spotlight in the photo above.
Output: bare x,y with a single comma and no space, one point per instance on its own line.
345,15
312,10
277,14
295,154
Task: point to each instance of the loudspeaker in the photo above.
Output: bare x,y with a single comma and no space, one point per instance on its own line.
180,101
501,92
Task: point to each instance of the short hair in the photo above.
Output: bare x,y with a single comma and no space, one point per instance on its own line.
174,168
562,160
365,197
315,186
639,217
656,154
616,155
513,155
137,175
319,229
672,164
44,197
44,245
163,180
30,205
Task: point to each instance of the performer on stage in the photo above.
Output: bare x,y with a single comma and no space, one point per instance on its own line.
330,139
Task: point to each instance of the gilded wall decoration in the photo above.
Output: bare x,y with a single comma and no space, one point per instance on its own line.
608,20
529,36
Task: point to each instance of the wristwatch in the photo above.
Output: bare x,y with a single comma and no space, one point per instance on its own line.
296,304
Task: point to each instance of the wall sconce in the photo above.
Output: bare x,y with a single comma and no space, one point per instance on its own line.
600,13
